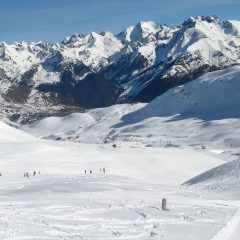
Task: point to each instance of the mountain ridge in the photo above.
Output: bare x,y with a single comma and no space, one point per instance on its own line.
102,69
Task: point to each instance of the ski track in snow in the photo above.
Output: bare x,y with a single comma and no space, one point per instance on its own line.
104,207
231,231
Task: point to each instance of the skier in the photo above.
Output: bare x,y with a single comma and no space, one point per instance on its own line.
34,173
104,170
85,171
91,171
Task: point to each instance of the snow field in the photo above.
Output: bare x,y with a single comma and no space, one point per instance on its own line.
125,203
180,137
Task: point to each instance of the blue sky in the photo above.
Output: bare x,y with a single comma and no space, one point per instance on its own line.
51,20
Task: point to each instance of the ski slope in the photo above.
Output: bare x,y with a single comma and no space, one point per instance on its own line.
183,146
125,203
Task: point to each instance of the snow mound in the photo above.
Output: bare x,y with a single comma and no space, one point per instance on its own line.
222,179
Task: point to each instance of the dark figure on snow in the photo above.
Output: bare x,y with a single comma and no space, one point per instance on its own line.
164,204
104,170
85,171
34,173
91,171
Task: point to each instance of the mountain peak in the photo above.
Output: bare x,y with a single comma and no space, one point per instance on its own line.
144,28
73,38
192,21
209,19
139,32
147,25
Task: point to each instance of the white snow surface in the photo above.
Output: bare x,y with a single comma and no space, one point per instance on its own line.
189,135
64,203
170,148
201,96
188,115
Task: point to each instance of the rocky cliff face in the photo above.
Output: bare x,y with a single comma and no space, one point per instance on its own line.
98,70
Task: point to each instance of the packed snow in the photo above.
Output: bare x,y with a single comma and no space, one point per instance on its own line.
62,202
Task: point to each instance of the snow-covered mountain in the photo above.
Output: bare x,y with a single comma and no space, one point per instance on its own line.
102,69
215,94
203,112
183,145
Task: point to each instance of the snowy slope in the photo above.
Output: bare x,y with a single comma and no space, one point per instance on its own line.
208,36
197,46
216,92
236,24
10,134
159,146
203,112
163,166
182,136
63,202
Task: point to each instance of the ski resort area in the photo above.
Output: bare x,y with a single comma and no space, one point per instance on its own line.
64,202
103,174
120,120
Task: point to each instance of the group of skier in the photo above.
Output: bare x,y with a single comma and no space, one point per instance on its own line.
27,175
102,170
34,173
